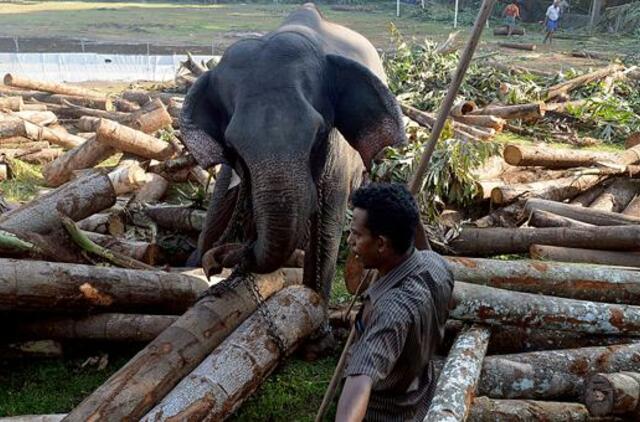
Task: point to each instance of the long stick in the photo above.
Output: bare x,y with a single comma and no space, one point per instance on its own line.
443,112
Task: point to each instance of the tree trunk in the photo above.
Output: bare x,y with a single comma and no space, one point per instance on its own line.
616,197
587,197
105,327
492,306
586,256
509,216
121,104
565,87
66,288
462,108
42,118
35,418
62,99
130,140
517,46
177,218
132,391
553,374
586,215
555,190
149,253
41,133
23,82
614,394
491,122
552,158
485,409
156,118
548,219
594,283
77,200
459,377
153,190
11,103
504,30
143,97
236,368
127,179
518,111
427,121
84,156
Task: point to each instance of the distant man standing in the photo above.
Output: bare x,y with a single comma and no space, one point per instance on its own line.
551,20
390,376
511,13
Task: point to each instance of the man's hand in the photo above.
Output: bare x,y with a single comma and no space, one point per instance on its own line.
354,399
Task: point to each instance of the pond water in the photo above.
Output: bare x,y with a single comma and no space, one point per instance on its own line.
80,67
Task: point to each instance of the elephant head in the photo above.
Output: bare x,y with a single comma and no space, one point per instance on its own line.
268,109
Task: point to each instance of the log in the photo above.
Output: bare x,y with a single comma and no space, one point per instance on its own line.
592,282
462,108
529,111
35,107
491,122
586,215
459,377
493,306
633,207
78,199
71,111
167,167
504,30
564,106
121,104
556,190
127,179
143,97
500,240
87,123
177,218
11,103
588,196
105,223
67,288
156,118
106,327
548,219
12,128
133,390
28,145
617,195
566,87
553,374
614,394
35,418
84,156
42,118
485,409
236,368
130,140
149,253
552,158
518,46
586,256
153,190
4,172
448,45
509,216
23,82
62,99
423,119
44,156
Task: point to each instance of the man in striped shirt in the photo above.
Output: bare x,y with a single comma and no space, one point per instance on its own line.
390,376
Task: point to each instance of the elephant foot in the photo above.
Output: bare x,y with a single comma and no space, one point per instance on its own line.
221,257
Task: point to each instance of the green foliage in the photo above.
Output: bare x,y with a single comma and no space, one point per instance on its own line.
25,182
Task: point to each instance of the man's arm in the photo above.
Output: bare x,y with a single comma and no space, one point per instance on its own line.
354,399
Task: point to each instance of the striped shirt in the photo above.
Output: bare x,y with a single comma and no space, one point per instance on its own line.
398,328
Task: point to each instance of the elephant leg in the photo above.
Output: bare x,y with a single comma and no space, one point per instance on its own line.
219,212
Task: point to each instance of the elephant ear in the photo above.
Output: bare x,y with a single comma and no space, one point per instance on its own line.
366,112
199,123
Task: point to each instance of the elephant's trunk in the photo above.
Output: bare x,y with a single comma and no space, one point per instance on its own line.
282,204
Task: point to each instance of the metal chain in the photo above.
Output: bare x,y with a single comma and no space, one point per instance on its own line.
261,306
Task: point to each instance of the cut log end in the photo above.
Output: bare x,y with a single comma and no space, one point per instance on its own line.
512,155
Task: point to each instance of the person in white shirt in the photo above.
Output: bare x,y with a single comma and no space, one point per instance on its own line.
551,20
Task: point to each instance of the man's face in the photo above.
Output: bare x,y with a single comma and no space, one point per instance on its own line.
366,246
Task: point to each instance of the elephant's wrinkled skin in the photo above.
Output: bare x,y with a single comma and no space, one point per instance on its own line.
276,109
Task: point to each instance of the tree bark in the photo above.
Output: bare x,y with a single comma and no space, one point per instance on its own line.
121,104
548,219
35,418
153,190
125,139
62,99
617,195
492,306
127,179
588,196
106,327
132,391
11,103
177,218
509,216
556,190
41,133
104,223
485,409
462,108
586,256
504,30
565,87
79,199
491,122
614,394
149,253
633,207
42,118
71,111
236,368
459,377
592,282
586,215
518,111
632,140
156,118
24,82
43,156
143,97
87,123
517,46
552,158
67,288
84,156
427,121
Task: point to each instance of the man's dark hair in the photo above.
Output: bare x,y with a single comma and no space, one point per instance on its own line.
392,212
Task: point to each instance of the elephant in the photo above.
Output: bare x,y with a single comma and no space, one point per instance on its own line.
298,114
